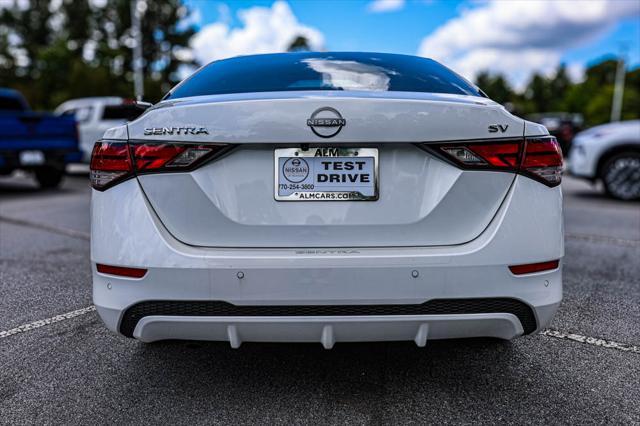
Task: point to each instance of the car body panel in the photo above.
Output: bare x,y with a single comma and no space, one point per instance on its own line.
230,200
222,205
280,118
528,228
590,146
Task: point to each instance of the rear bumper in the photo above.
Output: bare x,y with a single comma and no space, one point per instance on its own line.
10,160
325,330
151,321
527,229
345,305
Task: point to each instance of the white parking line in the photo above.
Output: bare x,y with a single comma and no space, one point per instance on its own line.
592,341
55,229
41,323
602,239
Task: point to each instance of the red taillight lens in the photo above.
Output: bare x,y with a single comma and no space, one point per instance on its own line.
172,157
153,157
113,162
110,164
539,158
530,268
122,271
504,155
543,160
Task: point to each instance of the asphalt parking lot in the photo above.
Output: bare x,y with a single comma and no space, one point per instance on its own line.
59,365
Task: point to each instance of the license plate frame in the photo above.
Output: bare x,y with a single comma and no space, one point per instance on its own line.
334,155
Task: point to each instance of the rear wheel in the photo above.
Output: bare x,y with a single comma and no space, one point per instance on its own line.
621,176
49,177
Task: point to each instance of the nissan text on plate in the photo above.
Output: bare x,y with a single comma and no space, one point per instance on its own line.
326,197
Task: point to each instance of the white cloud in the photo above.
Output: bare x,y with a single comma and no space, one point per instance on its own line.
194,18
517,37
576,72
382,6
224,13
263,30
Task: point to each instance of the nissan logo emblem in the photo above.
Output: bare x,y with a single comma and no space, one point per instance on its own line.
326,122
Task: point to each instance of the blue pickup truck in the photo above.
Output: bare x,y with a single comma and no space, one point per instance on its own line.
36,142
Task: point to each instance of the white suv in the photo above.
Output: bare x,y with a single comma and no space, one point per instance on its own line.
610,153
326,197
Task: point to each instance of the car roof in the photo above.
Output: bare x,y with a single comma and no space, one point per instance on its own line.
5,91
109,100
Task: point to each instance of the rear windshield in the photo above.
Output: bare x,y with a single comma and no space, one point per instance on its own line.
11,103
121,112
323,71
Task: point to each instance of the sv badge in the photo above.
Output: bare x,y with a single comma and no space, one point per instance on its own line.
495,128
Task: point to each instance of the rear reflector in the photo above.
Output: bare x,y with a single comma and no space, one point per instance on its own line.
530,268
539,158
121,271
113,162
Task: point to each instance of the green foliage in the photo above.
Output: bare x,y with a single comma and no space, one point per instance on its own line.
592,97
299,44
496,87
80,50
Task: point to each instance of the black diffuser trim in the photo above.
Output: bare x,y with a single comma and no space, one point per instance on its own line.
223,309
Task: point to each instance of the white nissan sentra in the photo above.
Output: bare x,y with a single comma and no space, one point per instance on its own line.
326,197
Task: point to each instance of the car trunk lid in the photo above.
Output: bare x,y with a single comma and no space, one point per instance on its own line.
423,200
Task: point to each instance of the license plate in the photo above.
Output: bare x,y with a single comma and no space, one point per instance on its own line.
326,174
31,158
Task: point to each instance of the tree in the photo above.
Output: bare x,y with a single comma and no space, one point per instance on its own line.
559,85
592,97
496,87
539,94
299,44
80,49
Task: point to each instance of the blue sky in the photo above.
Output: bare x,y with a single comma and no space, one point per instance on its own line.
514,38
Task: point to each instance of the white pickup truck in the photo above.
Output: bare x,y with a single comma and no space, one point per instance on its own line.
97,114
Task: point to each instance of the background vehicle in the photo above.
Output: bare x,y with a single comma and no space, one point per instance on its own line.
442,217
610,153
97,114
562,125
38,142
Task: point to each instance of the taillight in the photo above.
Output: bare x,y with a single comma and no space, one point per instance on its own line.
543,160
110,164
539,158
113,162
172,157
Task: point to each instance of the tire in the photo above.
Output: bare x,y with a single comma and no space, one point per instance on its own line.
621,176
49,177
